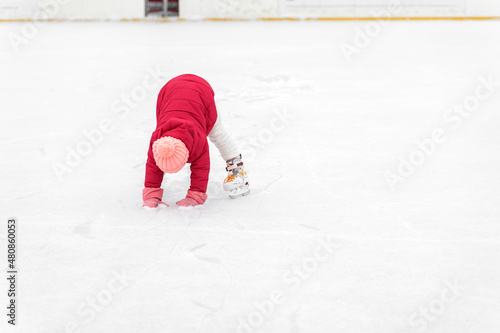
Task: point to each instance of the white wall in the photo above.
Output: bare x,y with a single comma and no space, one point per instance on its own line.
60,9
483,8
248,9
196,9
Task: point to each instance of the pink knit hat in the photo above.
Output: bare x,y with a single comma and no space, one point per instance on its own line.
170,154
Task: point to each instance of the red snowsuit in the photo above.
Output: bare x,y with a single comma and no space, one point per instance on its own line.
186,111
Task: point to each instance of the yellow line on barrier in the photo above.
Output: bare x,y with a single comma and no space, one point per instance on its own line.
219,19
279,19
424,18
223,19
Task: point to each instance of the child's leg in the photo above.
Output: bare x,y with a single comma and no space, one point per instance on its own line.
236,183
223,141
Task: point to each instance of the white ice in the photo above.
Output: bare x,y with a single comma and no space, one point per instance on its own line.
319,134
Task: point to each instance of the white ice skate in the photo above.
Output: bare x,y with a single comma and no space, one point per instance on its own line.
236,182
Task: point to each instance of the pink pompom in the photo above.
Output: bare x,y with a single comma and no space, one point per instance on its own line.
170,154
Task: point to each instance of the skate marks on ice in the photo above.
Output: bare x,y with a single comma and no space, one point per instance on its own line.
197,247
34,138
279,86
28,195
275,302
215,299
310,227
345,204
156,226
278,175
262,88
84,229
143,224
230,221
210,300
264,184
188,215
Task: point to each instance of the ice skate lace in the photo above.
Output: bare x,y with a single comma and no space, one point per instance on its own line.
234,168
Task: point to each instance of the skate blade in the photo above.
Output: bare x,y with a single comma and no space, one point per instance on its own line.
239,193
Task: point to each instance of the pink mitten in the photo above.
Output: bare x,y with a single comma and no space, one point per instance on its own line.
152,197
193,198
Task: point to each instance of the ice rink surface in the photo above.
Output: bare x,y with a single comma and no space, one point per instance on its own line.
373,161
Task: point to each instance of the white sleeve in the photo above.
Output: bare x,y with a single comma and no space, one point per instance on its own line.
223,141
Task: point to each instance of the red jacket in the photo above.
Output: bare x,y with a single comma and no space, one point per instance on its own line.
186,111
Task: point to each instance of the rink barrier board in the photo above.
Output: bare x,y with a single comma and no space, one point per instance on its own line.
216,19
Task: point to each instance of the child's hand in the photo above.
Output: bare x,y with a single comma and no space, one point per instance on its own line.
152,197
193,198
